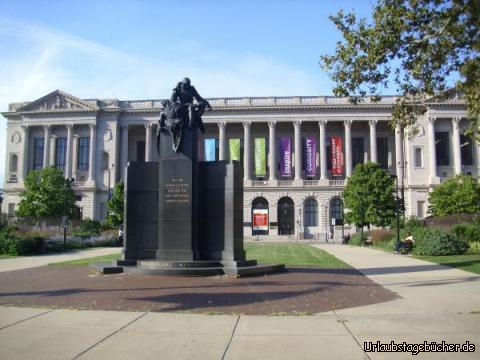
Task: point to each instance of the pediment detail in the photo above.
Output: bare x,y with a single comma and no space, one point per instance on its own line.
58,101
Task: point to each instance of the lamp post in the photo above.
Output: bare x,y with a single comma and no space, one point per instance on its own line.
397,210
68,183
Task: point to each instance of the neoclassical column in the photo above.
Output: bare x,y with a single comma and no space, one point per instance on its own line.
46,146
272,153
373,140
432,153
323,150
457,154
298,149
92,157
53,142
124,149
222,151
399,152
26,137
68,160
148,142
348,147
75,156
246,151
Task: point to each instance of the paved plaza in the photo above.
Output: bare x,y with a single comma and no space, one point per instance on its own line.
436,304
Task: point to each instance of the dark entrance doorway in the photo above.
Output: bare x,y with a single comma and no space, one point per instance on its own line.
286,216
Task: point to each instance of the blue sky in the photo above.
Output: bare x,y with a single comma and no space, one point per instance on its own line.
140,49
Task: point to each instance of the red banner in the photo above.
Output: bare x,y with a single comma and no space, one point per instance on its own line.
260,219
337,155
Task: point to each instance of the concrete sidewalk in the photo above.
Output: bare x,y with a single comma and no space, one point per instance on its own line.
26,262
438,304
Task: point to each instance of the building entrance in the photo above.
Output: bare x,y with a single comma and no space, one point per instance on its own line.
286,215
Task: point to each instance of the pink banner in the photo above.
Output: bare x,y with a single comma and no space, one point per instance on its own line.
337,155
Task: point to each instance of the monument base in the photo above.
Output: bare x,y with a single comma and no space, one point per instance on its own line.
188,268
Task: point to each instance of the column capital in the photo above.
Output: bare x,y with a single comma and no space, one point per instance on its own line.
373,122
25,127
69,126
272,123
92,126
297,123
432,119
347,123
456,121
148,125
322,123
247,124
124,126
222,124
46,127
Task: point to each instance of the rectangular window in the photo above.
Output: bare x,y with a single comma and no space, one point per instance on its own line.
418,154
421,209
442,147
11,210
83,153
466,150
358,151
38,153
60,152
141,151
103,210
382,152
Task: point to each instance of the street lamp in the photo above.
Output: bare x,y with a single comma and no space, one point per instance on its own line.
397,208
68,183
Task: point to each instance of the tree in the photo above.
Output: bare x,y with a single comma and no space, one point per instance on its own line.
457,195
419,46
369,196
44,195
115,206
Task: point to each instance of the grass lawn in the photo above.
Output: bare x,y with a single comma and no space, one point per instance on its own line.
7,256
86,261
464,262
290,255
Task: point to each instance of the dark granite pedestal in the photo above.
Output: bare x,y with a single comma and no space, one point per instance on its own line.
184,217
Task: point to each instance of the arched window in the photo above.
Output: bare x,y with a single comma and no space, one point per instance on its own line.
336,211
286,216
13,163
311,212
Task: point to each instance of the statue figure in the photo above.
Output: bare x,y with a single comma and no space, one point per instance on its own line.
184,110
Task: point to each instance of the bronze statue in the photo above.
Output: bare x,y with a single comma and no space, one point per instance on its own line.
184,110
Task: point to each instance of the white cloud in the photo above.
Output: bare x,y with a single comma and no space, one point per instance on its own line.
35,60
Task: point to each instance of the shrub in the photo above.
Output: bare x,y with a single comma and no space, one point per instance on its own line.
356,239
14,243
474,248
437,242
380,235
87,229
466,232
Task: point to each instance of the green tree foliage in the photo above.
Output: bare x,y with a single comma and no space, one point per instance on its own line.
115,206
44,195
369,196
457,195
419,46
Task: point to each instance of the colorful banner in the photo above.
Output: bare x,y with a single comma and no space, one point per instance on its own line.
337,155
260,219
209,149
234,149
260,158
285,155
310,156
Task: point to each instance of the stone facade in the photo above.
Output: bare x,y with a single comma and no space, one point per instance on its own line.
97,138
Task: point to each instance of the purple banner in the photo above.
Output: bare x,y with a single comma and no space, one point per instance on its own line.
285,156
310,156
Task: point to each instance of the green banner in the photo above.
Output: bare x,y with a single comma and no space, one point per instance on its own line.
235,149
260,158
